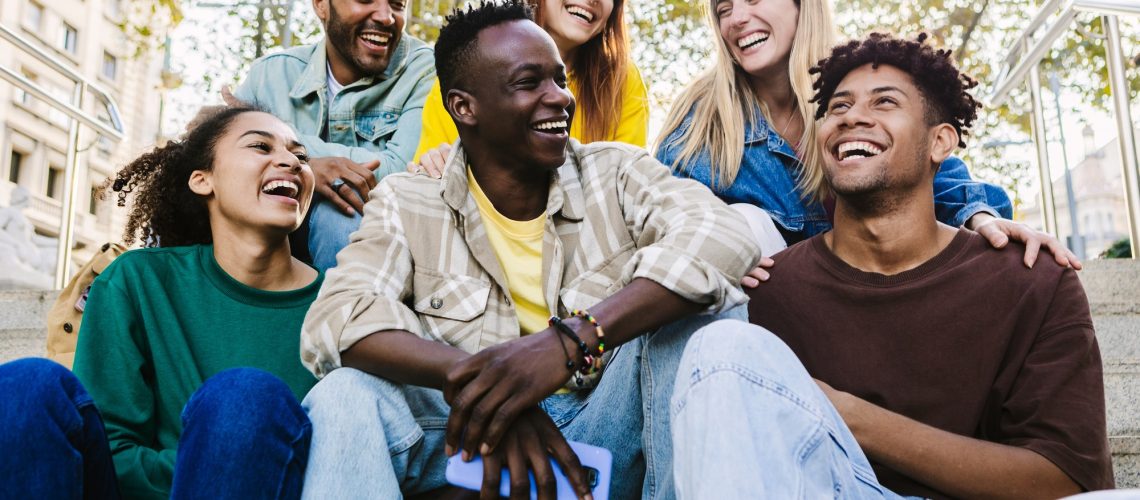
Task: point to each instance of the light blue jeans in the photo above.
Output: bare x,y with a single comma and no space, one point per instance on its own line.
749,422
329,229
356,416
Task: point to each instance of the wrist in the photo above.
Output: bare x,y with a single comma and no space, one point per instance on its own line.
978,219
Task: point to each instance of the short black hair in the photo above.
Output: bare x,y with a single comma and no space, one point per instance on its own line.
944,89
455,48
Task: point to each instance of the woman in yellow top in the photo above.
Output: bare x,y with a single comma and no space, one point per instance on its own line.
612,102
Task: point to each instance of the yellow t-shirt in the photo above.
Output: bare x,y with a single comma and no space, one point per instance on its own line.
438,128
518,246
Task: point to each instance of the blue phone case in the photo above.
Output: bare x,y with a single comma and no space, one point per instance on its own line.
597,461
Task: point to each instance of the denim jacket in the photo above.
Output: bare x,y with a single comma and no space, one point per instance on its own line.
374,117
767,179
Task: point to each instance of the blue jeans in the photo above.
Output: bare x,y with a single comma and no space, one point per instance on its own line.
52,436
329,229
749,422
244,436
376,438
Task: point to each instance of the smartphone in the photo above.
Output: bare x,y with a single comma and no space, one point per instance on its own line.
597,462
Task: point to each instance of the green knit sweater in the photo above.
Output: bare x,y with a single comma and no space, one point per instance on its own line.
158,323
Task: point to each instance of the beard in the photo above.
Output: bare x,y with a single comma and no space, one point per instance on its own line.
342,37
886,189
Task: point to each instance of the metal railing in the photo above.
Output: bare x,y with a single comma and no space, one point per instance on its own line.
74,110
1023,63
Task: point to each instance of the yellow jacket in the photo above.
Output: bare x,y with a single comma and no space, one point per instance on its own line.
632,129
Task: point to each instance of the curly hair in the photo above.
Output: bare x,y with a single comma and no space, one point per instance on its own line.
945,90
455,48
164,211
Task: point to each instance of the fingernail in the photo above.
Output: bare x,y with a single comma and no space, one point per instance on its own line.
484,449
466,456
448,450
588,497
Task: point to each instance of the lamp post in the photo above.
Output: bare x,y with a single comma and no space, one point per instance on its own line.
1076,240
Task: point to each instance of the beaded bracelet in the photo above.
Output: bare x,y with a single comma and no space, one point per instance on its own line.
587,359
584,314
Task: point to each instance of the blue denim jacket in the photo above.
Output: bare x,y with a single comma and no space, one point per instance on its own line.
767,179
374,117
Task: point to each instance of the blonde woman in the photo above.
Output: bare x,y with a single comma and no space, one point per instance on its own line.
612,104
745,128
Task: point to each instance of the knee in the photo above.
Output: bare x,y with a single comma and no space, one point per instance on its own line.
38,390
346,387
732,342
243,395
40,377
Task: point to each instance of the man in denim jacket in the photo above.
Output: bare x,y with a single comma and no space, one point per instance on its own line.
355,99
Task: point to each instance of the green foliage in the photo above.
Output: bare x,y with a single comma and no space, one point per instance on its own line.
1122,249
145,23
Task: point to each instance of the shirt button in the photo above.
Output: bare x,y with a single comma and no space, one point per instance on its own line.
340,128
68,328
436,303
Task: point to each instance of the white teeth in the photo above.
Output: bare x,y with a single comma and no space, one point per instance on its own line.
848,147
551,125
580,12
751,40
272,185
379,39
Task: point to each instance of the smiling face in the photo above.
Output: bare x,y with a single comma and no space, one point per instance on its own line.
572,23
361,35
260,178
519,107
876,138
758,33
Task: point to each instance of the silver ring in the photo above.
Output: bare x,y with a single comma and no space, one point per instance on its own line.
336,183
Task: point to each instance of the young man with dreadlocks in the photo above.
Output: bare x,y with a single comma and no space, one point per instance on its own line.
942,367
433,331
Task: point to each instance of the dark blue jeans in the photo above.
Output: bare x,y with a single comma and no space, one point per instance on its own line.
244,436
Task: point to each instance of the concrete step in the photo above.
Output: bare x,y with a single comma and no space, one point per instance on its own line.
1113,286
23,315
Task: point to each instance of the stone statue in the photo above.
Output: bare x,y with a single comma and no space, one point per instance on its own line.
26,258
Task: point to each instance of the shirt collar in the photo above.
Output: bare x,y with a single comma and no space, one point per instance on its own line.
758,129
565,198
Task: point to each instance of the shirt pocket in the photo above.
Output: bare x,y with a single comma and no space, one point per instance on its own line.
376,128
599,282
449,306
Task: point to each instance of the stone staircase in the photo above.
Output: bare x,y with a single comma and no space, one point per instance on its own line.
1113,287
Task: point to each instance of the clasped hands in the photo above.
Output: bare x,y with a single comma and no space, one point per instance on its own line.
494,398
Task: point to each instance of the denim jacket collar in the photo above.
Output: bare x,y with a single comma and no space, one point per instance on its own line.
758,129
315,76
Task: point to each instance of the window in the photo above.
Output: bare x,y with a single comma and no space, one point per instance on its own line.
55,183
103,146
55,116
110,66
21,97
34,16
14,165
70,40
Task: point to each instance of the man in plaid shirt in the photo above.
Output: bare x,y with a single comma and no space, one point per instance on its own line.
431,334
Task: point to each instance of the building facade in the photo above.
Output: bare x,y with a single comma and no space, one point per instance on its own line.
1098,186
85,35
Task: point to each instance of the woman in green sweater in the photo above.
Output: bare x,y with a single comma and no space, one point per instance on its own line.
188,349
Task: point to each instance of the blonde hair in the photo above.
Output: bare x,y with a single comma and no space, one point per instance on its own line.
722,101
599,68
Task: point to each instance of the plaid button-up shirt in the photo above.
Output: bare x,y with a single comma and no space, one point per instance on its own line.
421,260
